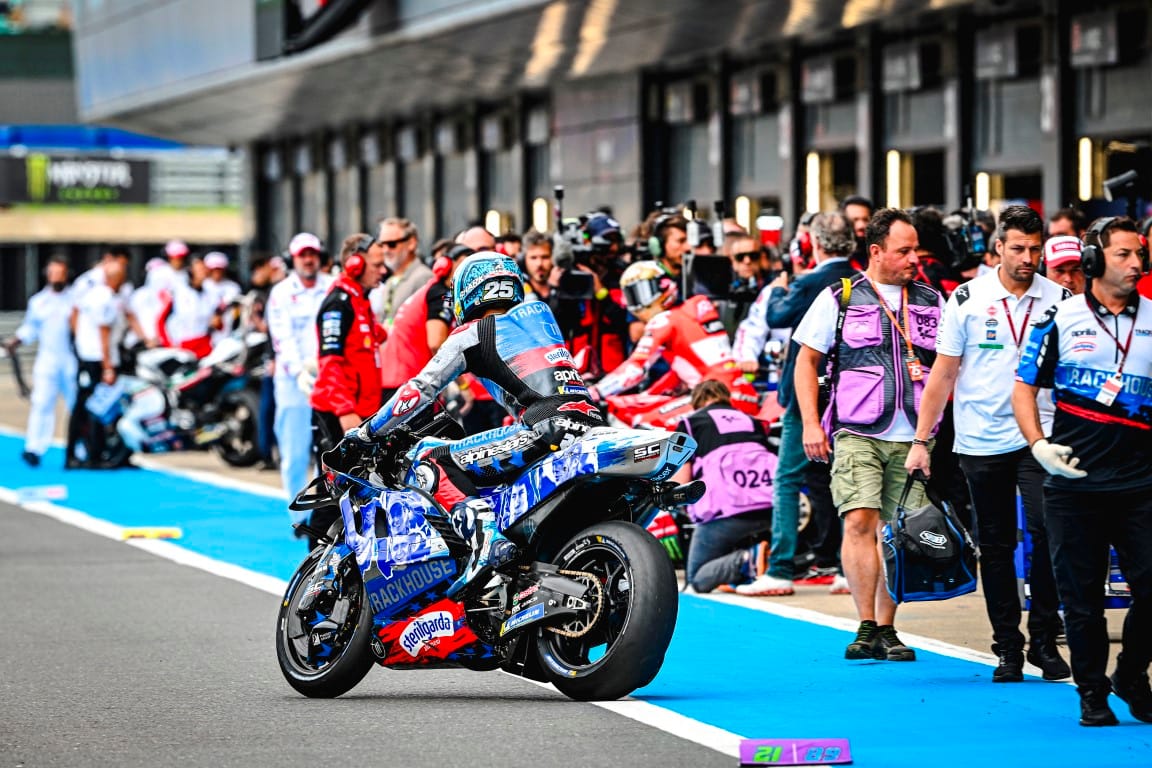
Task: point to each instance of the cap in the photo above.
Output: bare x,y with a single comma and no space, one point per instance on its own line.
277,263
154,263
216,260
600,228
304,241
176,249
1061,249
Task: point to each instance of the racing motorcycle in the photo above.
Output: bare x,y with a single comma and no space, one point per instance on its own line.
662,404
213,401
589,605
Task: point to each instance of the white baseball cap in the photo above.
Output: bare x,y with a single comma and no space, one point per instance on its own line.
1061,249
176,249
304,241
216,260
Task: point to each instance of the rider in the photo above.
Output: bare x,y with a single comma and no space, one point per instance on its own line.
516,350
691,337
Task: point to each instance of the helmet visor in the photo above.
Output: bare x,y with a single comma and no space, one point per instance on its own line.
641,293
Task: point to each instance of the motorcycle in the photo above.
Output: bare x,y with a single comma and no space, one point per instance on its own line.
213,401
662,405
589,605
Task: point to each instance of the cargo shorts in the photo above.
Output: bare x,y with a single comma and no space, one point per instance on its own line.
868,473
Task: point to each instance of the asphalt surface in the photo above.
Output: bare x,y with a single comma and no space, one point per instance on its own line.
113,656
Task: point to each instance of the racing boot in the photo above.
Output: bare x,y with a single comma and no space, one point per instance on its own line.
475,522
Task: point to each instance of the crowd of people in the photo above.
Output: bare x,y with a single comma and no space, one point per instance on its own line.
988,356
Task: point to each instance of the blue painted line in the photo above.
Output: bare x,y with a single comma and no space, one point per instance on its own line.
742,670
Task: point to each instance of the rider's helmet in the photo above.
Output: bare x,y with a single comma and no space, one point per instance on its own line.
645,284
483,281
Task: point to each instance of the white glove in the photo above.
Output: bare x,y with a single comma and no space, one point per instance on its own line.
306,379
1057,459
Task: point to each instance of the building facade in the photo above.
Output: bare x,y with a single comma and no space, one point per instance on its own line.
450,112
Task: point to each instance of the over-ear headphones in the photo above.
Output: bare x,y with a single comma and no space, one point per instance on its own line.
1092,255
656,241
354,266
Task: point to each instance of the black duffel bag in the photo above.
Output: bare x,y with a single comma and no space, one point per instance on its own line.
928,554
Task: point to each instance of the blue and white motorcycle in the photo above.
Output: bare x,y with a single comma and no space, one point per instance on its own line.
589,606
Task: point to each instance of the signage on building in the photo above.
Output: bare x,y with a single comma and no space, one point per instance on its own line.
996,54
49,179
818,81
1093,40
901,68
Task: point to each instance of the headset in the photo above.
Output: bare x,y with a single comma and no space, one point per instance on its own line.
656,241
1092,255
355,264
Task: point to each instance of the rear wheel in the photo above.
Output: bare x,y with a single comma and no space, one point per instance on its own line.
324,629
239,447
618,644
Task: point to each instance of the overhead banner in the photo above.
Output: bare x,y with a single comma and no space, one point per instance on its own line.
50,179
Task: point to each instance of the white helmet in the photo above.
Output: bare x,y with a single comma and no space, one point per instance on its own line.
643,284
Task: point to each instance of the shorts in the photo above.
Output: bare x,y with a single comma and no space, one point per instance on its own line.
868,473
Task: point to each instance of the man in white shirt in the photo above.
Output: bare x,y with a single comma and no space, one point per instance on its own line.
882,353
221,290
986,325
100,323
292,307
54,373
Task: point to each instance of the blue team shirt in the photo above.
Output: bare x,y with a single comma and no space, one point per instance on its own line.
1074,350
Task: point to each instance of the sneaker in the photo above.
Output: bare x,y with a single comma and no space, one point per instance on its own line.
30,458
767,585
1052,665
819,575
861,647
1094,709
756,562
1010,669
1135,692
886,644
840,585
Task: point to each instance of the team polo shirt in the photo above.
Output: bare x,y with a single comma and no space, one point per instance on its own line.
1074,350
983,321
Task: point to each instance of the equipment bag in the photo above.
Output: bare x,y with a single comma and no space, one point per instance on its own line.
928,554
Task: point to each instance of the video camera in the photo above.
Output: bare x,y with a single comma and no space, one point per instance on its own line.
576,242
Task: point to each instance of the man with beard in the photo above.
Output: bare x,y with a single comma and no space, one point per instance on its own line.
54,372
978,347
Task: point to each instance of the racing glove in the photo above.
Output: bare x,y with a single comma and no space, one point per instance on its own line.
1057,459
306,379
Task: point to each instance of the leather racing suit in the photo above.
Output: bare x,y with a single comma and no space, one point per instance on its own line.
691,337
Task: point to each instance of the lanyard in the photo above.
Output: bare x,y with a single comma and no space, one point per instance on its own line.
892,318
1123,348
1018,340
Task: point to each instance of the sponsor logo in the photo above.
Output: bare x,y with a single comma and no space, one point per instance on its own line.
1143,331
535,308
572,389
406,584
425,478
1084,347
646,453
934,540
502,448
991,322
406,400
558,356
1084,332
664,474
522,618
580,406
990,334
566,375
425,628
526,593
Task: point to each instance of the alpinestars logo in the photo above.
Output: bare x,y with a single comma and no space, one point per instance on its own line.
581,406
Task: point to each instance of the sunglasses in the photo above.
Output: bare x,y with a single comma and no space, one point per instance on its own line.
391,244
746,256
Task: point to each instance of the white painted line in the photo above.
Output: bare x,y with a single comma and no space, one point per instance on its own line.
158,547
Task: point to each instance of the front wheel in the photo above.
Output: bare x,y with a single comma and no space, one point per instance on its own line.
324,629
240,445
619,644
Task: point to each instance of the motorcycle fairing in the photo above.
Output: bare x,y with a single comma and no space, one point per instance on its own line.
437,635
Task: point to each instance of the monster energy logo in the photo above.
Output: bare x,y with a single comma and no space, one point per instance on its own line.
36,170
76,180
